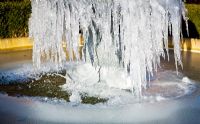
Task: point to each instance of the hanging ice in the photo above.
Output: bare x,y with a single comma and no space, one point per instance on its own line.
129,34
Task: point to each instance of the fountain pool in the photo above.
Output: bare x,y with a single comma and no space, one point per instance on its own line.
44,100
119,76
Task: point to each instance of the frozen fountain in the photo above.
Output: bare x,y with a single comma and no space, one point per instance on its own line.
123,41
102,61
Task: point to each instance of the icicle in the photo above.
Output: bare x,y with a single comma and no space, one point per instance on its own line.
122,33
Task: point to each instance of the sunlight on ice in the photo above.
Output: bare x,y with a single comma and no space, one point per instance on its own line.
119,34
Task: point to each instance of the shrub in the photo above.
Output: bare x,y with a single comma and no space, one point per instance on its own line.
194,19
14,18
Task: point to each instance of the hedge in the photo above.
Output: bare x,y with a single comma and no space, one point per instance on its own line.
14,18
13,0
194,19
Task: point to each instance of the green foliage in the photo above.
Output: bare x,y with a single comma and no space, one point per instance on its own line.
13,0
194,15
14,18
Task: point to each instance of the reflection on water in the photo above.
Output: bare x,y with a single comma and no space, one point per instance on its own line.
191,62
191,65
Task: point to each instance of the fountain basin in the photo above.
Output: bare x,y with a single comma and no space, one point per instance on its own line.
20,78
44,96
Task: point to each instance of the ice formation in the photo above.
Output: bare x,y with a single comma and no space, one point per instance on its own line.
129,34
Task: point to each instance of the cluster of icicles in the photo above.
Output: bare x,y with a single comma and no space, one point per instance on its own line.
129,34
